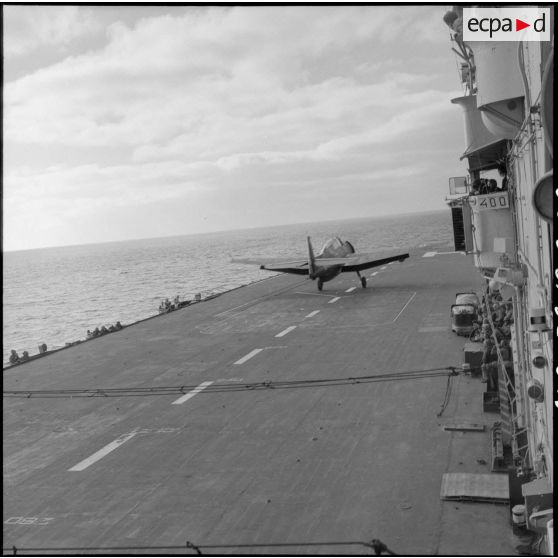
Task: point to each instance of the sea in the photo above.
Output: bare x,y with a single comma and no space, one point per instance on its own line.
54,295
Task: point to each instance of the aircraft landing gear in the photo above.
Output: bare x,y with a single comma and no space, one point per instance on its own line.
320,284
362,280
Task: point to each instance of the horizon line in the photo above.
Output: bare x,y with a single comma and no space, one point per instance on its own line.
381,216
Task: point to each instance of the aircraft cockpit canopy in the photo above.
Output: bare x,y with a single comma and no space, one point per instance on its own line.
332,245
336,247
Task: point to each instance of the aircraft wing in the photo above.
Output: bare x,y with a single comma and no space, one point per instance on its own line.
358,262
281,265
354,262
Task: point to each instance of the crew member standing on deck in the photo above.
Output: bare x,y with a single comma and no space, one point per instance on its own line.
487,359
492,370
503,172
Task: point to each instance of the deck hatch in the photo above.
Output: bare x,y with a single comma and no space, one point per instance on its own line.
492,488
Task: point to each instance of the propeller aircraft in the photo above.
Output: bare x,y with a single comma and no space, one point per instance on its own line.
337,256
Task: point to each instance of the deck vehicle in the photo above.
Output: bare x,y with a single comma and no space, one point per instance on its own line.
463,318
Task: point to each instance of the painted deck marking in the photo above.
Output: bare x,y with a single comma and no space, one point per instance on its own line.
375,273
350,290
20,520
385,267
408,302
285,331
335,299
168,430
248,356
102,452
429,254
312,314
191,394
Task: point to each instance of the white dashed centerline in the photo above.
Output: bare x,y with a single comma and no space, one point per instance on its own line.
312,314
102,452
248,356
350,290
335,299
285,331
191,394
124,438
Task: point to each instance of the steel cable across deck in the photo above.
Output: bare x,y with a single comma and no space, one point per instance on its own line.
375,544
232,387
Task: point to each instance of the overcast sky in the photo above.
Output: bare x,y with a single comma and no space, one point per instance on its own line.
135,122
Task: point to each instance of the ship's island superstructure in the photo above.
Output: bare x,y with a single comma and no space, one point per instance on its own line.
507,226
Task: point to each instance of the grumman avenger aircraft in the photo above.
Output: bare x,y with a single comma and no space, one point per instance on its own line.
337,256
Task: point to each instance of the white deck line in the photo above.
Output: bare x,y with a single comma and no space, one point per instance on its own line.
285,331
429,254
312,314
191,394
408,302
350,290
102,452
335,299
372,274
385,267
248,356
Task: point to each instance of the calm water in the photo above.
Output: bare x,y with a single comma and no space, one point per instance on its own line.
54,295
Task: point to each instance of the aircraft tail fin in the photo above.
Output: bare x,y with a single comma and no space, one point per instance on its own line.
311,260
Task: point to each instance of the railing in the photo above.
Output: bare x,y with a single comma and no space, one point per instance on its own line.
519,452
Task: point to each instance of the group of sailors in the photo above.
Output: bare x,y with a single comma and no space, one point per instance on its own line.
103,331
165,306
168,306
495,320
481,186
15,358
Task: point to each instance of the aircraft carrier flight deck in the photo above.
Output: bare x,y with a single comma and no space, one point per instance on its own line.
273,419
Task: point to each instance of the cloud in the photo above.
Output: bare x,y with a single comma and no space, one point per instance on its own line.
204,104
28,28
172,76
113,185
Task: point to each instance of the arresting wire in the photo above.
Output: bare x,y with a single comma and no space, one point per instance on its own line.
376,545
228,387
